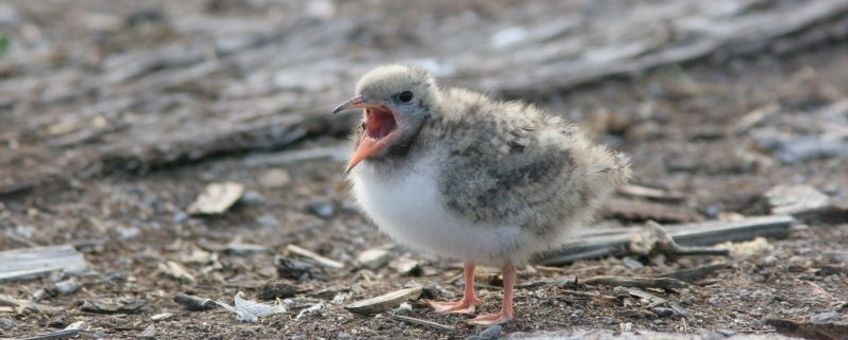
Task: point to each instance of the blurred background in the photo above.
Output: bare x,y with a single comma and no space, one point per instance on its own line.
115,115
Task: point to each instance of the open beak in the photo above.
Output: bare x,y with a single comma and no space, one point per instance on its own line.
381,129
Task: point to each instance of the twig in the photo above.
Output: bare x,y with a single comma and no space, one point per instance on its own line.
424,323
656,240
615,242
326,262
641,282
587,294
193,302
57,335
650,193
568,282
693,274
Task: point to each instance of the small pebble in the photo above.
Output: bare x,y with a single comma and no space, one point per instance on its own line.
253,197
490,333
161,316
373,258
275,178
404,307
631,263
6,324
67,287
149,333
322,209
665,312
825,317
180,217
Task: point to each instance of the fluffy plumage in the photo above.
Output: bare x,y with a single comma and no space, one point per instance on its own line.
509,178
472,178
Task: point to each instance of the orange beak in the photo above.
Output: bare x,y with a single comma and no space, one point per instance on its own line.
376,137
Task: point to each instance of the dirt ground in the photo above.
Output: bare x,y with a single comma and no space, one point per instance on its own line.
676,122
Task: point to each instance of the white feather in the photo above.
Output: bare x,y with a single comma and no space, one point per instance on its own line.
409,207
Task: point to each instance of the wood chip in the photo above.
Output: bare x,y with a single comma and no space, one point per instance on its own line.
28,263
217,198
161,316
384,302
640,282
805,203
299,270
755,117
315,257
176,271
424,323
406,266
373,258
114,306
148,333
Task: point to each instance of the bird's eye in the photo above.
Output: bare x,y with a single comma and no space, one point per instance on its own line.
405,96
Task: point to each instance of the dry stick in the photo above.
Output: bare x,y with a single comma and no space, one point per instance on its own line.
641,282
194,303
657,240
693,274
568,282
425,323
587,294
60,334
615,242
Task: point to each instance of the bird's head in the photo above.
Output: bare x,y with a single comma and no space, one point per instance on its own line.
396,101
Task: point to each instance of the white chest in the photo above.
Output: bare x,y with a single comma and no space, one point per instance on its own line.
409,207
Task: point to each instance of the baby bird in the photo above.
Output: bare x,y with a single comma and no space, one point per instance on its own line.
465,176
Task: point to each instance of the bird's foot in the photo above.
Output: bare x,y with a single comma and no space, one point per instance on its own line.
464,306
491,319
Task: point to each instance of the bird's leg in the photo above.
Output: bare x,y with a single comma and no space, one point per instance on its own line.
469,301
506,312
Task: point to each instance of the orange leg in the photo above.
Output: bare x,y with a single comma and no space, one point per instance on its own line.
506,312
469,301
